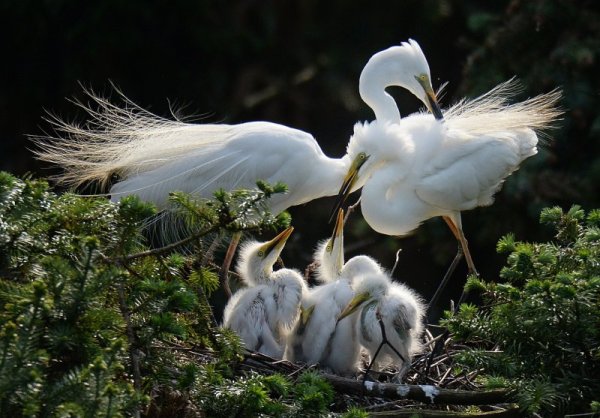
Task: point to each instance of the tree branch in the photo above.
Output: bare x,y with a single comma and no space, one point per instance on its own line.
170,247
424,393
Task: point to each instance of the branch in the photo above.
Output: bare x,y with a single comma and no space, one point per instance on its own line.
511,411
170,247
423,393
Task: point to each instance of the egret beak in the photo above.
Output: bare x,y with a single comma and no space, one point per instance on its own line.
432,102
354,304
305,315
338,229
336,242
277,243
348,183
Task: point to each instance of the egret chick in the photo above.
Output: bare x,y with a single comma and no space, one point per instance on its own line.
391,308
262,313
318,337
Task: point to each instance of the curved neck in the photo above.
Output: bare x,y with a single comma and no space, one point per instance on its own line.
384,202
384,106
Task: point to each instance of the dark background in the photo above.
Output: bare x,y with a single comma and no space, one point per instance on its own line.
298,63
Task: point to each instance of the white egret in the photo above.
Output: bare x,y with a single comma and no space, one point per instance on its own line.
390,321
441,168
152,156
318,338
263,313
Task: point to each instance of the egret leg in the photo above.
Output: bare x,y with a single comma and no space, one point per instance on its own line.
224,272
455,224
434,299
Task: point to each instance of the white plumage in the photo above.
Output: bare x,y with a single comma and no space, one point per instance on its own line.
400,310
263,313
414,168
422,168
318,338
153,156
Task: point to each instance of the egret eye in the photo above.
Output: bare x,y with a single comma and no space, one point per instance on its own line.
362,156
329,247
261,253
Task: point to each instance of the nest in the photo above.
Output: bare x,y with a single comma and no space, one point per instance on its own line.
432,388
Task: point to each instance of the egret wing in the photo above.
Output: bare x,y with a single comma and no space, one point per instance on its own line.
329,301
467,170
251,152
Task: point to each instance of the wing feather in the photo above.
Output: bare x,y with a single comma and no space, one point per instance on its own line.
468,170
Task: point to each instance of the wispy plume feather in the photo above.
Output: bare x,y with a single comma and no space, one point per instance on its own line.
492,112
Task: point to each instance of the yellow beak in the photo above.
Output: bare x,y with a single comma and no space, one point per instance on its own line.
434,106
338,229
432,102
305,315
354,304
278,242
348,183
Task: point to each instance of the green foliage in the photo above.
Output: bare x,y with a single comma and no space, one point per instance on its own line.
239,210
355,413
273,395
313,392
242,397
93,321
540,328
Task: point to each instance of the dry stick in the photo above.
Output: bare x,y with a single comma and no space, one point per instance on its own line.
423,393
396,262
508,412
351,209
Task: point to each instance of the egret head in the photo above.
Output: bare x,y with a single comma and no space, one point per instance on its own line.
406,307
404,66
330,253
257,258
360,266
370,287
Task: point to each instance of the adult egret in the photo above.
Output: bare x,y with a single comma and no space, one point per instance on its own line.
390,321
262,313
441,168
318,338
152,156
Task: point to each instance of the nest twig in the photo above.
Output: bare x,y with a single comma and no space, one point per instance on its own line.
433,387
